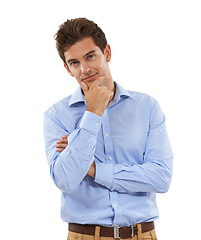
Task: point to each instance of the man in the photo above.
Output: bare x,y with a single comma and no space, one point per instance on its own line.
107,147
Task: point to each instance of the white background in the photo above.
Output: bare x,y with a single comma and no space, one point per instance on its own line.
156,49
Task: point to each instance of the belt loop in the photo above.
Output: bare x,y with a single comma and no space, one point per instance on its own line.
97,233
139,232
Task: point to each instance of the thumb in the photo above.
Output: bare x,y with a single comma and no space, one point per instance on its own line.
84,88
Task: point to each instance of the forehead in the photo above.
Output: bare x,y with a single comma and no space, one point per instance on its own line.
81,48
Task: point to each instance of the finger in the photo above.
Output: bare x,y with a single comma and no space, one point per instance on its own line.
111,94
65,136
84,88
61,141
61,145
97,82
64,140
103,87
60,150
110,97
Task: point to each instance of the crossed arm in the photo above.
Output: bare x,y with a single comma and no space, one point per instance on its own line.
72,158
63,143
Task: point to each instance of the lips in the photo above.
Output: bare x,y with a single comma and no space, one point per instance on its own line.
89,78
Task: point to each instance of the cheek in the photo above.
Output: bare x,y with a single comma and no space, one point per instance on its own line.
102,66
76,75
75,72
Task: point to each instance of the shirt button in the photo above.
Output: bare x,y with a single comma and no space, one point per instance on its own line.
115,205
103,184
106,134
96,124
105,113
110,158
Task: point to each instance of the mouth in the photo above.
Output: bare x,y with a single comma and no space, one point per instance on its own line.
89,78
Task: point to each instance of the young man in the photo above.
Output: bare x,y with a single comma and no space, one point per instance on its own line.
107,147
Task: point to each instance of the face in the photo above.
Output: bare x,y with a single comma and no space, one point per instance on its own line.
86,62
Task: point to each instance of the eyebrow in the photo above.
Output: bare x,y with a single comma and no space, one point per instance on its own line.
73,59
89,53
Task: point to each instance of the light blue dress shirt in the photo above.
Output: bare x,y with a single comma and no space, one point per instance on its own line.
132,154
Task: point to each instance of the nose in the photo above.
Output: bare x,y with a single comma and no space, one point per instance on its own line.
84,68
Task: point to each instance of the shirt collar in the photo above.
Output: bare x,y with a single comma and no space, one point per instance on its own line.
78,97
120,93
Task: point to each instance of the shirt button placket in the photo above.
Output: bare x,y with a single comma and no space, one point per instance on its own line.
109,156
107,136
114,202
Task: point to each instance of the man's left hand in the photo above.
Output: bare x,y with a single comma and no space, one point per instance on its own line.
62,144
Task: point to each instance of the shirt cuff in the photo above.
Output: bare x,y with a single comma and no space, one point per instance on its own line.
91,122
104,174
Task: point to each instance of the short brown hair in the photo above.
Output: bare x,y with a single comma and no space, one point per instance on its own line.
75,30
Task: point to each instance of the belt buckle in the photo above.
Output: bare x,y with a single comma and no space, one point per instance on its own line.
116,232
132,231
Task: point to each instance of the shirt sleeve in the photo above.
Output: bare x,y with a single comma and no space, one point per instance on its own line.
154,174
69,167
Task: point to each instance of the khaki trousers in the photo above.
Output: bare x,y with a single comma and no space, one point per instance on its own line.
151,235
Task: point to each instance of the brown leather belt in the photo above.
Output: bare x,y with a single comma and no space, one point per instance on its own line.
115,232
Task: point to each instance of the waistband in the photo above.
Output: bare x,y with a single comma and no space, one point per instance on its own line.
115,232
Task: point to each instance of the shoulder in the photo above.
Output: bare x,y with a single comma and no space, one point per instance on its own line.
59,106
145,102
142,97
150,105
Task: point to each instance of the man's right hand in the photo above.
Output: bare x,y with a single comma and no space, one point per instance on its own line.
97,97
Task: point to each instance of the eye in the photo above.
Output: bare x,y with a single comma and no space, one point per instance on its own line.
74,63
90,56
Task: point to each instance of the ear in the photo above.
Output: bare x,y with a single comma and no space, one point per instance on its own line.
68,70
107,53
